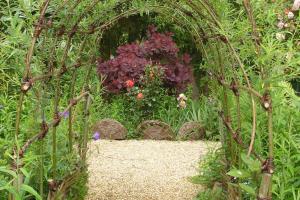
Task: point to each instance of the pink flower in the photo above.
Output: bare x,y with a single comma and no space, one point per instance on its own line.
140,96
280,25
129,83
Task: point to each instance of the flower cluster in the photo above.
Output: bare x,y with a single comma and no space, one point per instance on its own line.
287,21
129,85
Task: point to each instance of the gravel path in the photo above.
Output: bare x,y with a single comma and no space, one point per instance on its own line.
144,169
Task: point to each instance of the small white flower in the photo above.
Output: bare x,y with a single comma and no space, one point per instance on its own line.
181,96
289,56
290,15
280,36
181,101
182,104
296,5
286,25
280,25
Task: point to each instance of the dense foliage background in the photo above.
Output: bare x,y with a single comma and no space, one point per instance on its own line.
275,63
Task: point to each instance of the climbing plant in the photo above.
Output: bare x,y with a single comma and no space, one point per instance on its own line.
60,40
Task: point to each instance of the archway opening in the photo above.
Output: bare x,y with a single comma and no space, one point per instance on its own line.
66,43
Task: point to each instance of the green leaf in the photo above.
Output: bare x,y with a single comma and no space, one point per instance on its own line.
254,165
247,189
239,173
7,171
239,2
25,172
12,191
30,190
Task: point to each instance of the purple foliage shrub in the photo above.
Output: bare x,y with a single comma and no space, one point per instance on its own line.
158,50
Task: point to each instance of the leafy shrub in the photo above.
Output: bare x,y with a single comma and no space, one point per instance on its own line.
128,65
140,102
287,160
131,61
144,77
149,95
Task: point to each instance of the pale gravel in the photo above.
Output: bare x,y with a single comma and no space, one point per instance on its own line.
144,169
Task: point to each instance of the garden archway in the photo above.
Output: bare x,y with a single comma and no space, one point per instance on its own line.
63,40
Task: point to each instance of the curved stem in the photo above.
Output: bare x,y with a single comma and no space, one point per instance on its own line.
72,89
